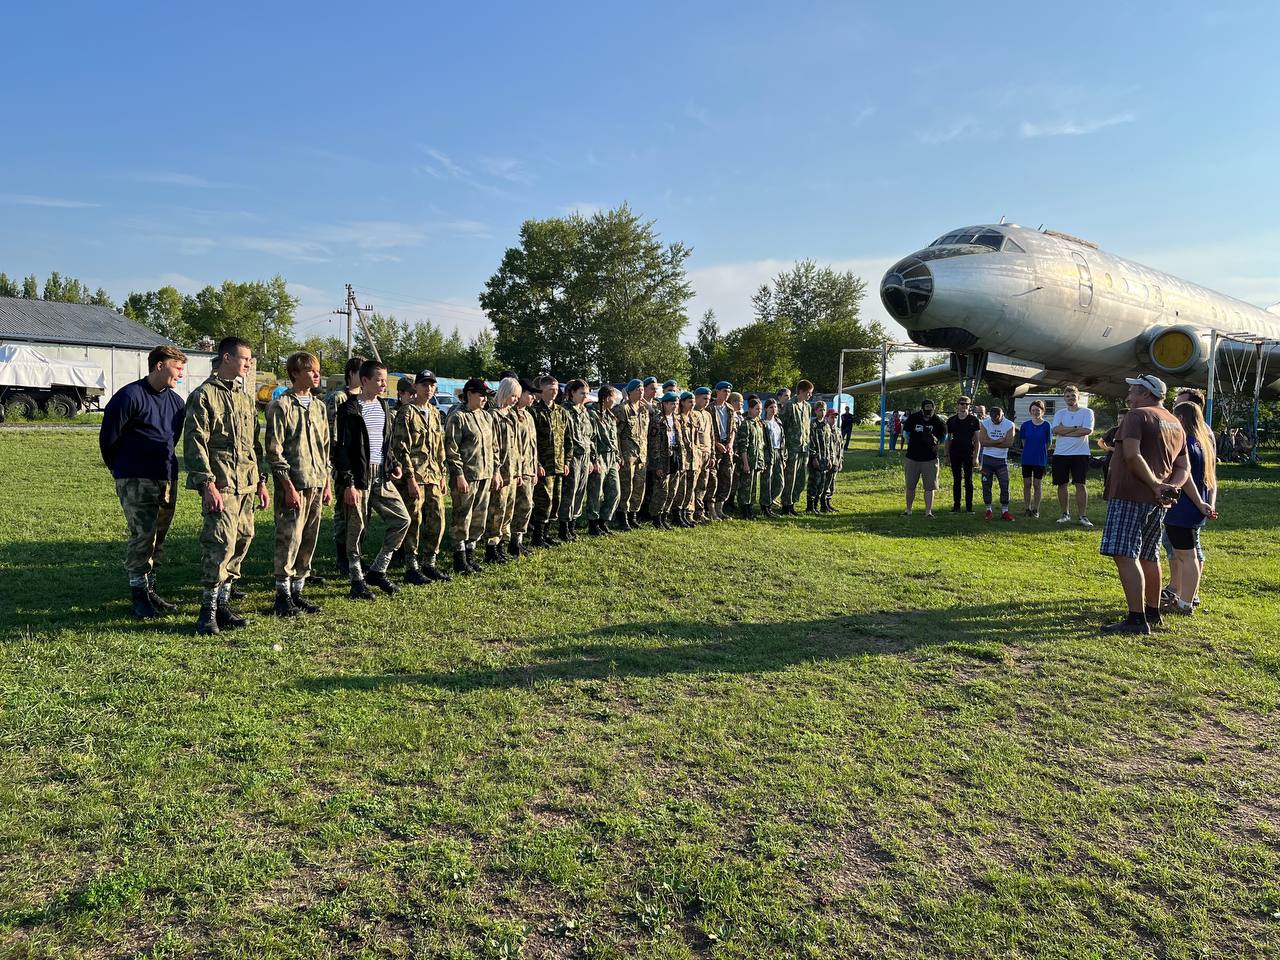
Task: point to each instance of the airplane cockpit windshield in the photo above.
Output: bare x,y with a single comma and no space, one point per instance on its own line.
993,240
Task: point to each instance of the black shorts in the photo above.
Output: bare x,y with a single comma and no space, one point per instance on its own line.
1034,470
1072,467
1183,538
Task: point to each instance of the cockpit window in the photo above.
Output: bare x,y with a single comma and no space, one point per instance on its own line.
1012,246
989,238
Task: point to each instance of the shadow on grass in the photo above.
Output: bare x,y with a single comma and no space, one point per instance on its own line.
663,648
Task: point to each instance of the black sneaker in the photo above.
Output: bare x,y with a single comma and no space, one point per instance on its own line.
1125,626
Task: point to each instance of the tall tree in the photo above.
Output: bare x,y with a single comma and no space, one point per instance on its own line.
759,356
331,351
30,288
708,362
421,347
161,310
8,288
387,333
482,355
100,298
454,361
260,311
53,287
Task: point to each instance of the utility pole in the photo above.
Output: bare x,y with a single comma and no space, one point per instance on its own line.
353,306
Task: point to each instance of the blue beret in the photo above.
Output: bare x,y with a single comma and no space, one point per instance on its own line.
632,384
702,392
649,380
667,384
669,397
686,395
724,385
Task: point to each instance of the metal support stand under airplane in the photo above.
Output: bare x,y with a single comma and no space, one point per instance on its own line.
971,367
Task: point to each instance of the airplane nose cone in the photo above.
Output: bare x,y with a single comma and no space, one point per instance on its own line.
906,289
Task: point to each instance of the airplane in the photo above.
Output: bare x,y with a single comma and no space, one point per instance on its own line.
1023,308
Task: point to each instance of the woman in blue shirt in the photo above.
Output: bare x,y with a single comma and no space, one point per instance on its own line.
1035,456
1196,505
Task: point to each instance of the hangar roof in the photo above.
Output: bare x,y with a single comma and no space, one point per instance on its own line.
47,321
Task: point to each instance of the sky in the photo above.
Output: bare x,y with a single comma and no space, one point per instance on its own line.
398,147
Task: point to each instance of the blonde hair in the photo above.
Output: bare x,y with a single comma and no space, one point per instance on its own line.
1192,417
508,388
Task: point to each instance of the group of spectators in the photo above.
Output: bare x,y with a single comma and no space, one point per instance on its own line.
1159,480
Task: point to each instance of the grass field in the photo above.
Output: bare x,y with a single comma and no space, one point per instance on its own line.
848,735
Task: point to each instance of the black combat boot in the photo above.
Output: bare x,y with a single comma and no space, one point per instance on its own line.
515,549
472,563
593,528
237,593
564,531
748,513
657,522
767,511
360,591
207,624
685,520
157,601
491,553
604,528
826,503
302,603
415,577
143,609
634,519
379,579
547,536
501,548
397,558
539,539
666,521
284,605
344,568
434,572
808,504
228,619
622,521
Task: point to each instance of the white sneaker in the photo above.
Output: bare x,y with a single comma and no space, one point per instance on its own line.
1065,518
1086,522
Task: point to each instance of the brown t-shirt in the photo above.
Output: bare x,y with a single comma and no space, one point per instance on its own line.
1160,438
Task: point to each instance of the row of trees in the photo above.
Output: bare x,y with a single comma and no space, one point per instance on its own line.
56,287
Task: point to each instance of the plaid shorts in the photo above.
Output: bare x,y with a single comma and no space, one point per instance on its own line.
1133,530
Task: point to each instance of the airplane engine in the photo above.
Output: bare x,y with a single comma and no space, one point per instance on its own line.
1179,350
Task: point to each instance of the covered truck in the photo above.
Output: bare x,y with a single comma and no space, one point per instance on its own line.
31,381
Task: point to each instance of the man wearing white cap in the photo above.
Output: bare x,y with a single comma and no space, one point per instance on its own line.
1146,474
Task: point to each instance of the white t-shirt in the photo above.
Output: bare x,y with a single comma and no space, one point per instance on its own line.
375,420
1072,446
997,432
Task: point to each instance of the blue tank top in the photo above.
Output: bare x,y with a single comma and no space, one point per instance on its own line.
1184,513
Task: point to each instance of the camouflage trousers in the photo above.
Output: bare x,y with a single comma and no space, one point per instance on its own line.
704,487
470,512
225,538
523,510
818,482
725,469
631,477
574,496
771,480
794,477
296,533
663,489
682,494
603,490
748,485
547,493
148,511
502,507
426,520
383,499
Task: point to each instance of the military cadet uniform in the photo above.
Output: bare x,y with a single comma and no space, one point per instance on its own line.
357,465
691,464
775,461
749,458
333,402
297,453
221,445
835,460
796,417
580,454
549,424
653,407
525,468
502,499
633,446
704,484
664,462
469,452
603,485
724,423
821,437
417,443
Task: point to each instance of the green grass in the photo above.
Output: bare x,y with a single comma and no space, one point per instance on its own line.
835,736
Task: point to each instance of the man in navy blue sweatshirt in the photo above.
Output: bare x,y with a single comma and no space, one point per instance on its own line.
140,428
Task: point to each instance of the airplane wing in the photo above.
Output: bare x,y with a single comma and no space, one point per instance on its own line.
939,373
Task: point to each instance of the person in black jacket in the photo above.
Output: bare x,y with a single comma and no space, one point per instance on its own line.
365,471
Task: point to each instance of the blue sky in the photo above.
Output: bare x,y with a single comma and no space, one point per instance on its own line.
399,146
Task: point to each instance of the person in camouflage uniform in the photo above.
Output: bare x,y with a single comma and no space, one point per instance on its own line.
526,469
796,421
223,453
735,404
775,459
704,483
664,460
688,423
724,423
602,485
502,500
297,453
417,445
749,456
579,453
835,460
633,446
469,452
649,397
820,439
549,424
333,401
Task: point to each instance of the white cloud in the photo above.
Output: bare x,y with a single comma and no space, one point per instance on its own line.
1072,128
169,178
952,130
472,229
582,208
30,200
443,166
506,168
306,251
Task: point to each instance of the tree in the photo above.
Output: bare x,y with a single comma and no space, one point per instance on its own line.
52,287
387,334
759,356
332,353
421,347
453,357
30,288
100,298
162,311
8,288
482,359
944,395
599,297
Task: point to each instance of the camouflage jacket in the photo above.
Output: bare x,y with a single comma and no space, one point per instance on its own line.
660,447
417,443
505,453
604,428
468,444
220,437
633,429
334,401
577,432
749,442
549,423
796,418
526,452
687,428
704,431
297,441
718,434
770,452
819,442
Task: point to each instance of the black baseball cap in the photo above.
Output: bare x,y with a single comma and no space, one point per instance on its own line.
425,376
476,385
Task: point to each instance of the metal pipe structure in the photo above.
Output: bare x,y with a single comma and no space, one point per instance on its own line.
883,350
1213,367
